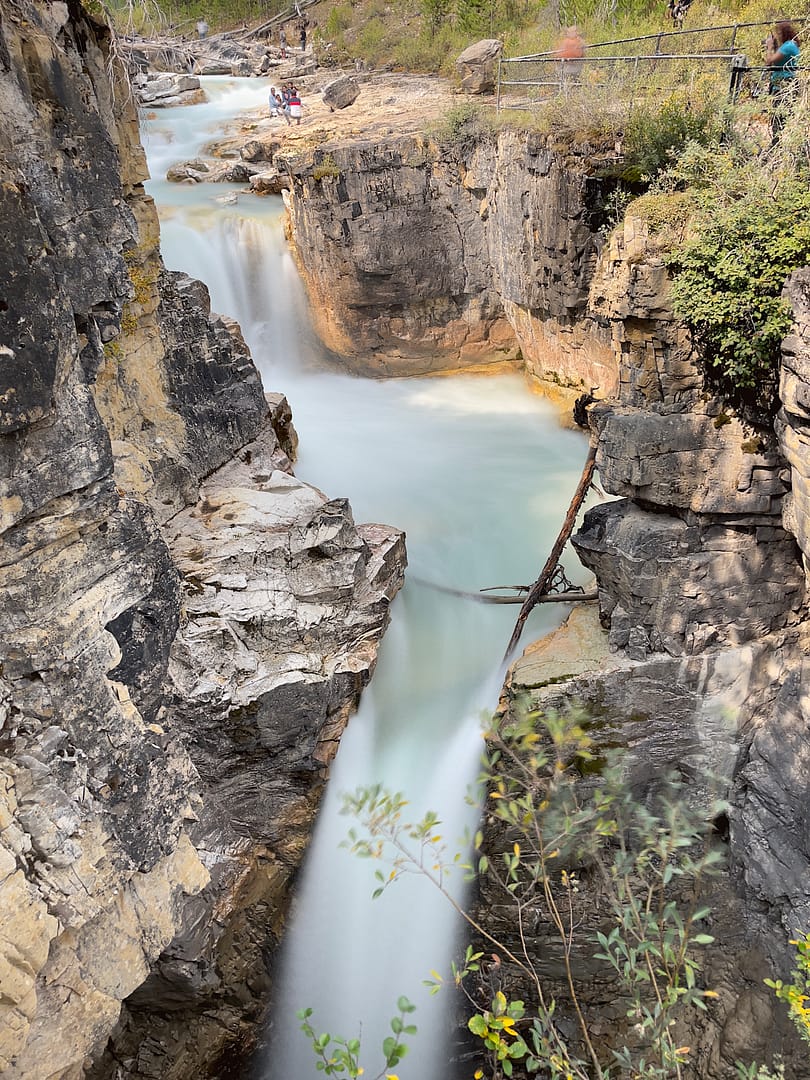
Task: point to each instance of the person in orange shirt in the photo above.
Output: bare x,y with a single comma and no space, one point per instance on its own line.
570,51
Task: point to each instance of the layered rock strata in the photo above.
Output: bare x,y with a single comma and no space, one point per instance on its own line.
696,662
183,623
421,252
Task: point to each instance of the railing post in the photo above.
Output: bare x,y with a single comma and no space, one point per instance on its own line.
498,98
739,66
633,86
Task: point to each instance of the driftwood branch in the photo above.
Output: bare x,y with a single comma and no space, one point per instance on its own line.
540,587
482,598
288,15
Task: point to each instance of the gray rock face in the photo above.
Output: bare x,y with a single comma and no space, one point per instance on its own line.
411,249
686,585
711,465
341,92
792,423
476,66
285,601
125,866
714,718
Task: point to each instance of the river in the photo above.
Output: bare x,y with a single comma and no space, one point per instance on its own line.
478,472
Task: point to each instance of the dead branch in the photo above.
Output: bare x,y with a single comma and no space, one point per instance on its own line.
540,587
568,597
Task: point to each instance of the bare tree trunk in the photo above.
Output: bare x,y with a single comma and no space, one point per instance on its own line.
540,586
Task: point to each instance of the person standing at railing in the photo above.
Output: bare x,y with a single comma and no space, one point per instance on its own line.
677,9
570,51
782,50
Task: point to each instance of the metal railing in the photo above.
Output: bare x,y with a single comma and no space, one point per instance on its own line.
633,67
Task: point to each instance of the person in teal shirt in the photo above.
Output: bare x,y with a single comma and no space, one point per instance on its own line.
782,57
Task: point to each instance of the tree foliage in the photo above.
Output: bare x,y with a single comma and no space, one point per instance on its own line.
657,131
570,825
728,282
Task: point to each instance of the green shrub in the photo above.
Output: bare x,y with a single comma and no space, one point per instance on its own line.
564,830
657,133
426,52
338,19
462,128
728,281
326,167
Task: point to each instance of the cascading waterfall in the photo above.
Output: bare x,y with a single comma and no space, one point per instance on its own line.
478,473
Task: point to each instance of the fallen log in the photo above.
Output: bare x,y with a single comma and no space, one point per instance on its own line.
569,597
288,15
540,587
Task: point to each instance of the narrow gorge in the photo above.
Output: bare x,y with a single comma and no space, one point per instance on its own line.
188,626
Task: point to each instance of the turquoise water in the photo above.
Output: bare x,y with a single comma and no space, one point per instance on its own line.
479,474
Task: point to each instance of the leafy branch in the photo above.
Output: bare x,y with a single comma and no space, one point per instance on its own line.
558,826
340,1057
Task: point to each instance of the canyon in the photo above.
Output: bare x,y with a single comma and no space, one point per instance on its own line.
695,659
166,728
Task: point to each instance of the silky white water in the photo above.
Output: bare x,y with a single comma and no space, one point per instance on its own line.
479,474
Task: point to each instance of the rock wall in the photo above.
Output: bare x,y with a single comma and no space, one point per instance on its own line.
185,626
695,659
419,255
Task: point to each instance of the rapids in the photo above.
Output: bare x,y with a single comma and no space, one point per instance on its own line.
478,472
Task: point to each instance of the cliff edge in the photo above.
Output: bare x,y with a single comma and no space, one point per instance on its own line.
164,730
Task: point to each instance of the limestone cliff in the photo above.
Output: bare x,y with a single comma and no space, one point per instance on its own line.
696,660
175,665
421,254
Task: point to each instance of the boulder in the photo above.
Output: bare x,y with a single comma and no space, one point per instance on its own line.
341,92
271,182
238,173
212,67
303,66
241,69
476,66
259,150
187,170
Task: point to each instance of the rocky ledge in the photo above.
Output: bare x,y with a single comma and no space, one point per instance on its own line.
186,627
695,658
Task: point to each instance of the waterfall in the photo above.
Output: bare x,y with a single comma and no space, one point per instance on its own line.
478,472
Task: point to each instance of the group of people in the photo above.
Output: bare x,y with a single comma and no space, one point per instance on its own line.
286,102
302,39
